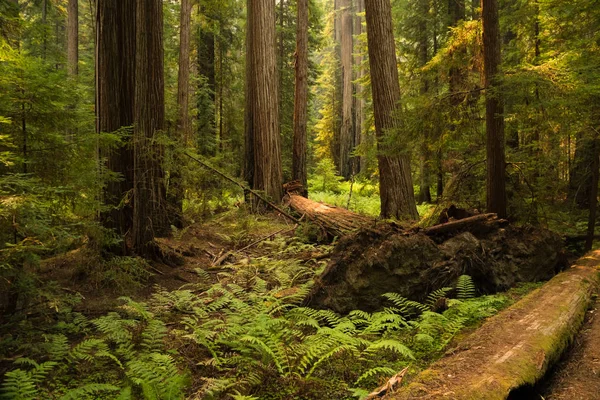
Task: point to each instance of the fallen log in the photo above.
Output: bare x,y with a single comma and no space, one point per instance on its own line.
516,347
336,221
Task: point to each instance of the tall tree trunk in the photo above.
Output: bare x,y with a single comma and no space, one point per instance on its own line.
115,80
396,187
149,198
359,101
347,129
207,134
496,164
299,171
73,37
337,88
423,55
593,194
249,111
268,175
44,29
183,82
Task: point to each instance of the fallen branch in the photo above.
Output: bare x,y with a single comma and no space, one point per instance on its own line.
243,187
389,387
461,224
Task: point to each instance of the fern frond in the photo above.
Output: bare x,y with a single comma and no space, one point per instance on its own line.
465,287
406,306
436,295
391,345
92,390
19,385
374,372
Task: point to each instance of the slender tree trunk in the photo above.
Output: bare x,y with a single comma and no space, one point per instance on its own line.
359,101
44,29
73,38
268,175
149,197
337,89
115,80
183,84
347,129
249,111
496,164
207,134
593,195
423,54
299,171
396,187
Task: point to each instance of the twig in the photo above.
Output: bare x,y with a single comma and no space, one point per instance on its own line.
243,187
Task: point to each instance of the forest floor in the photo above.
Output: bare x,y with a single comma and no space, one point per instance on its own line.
577,376
237,249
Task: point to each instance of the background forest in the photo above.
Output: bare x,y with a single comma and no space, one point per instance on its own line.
97,162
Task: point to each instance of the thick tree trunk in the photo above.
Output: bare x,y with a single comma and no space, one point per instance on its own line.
359,101
299,171
73,37
268,175
183,83
396,188
347,129
115,79
150,205
423,55
496,164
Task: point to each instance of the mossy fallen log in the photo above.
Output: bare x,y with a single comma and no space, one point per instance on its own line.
514,348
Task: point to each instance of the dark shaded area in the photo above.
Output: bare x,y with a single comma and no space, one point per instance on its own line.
374,262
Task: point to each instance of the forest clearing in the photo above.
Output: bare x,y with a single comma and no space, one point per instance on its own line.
299,199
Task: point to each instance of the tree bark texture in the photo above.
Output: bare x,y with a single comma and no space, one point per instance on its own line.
299,170
359,101
73,37
423,55
249,111
396,187
496,164
347,129
207,139
268,175
183,82
115,80
150,205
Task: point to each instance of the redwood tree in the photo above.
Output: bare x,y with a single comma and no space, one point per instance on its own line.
496,164
396,185
263,92
150,205
347,128
73,37
115,79
301,97
183,82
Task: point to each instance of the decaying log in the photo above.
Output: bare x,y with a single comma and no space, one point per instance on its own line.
516,347
465,224
335,221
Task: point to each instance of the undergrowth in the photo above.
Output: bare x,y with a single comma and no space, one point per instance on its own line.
248,336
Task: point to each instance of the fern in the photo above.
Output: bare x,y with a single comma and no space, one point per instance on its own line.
89,390
465,288
153,336
433,297
391,345
375,372
19,385
407,307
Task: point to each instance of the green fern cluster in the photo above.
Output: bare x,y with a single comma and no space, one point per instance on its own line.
124,359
